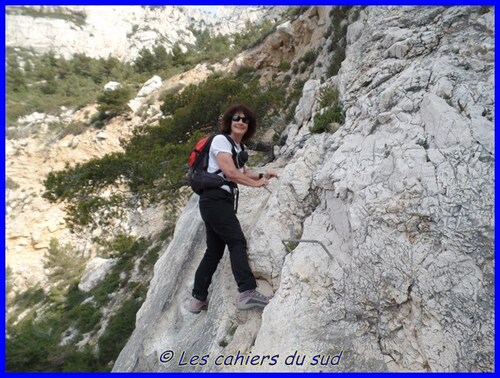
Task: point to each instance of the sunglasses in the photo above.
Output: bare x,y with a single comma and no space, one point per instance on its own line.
237,118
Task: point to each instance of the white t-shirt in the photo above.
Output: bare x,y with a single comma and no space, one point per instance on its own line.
220,144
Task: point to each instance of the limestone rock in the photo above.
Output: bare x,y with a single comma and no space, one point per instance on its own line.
285,28
303,111
133,28
95,272
150,86
101,135
112,86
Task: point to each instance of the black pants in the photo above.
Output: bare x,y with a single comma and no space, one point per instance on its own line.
223,228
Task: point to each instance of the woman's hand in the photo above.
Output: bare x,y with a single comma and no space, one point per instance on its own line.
263,182
270,174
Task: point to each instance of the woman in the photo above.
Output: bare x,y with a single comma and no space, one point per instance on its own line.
218,213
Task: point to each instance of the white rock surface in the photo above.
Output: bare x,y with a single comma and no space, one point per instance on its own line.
303,112
95,272
150,86
112,86
132,29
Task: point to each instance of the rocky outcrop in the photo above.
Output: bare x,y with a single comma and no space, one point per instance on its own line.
149,87
402,198
288,45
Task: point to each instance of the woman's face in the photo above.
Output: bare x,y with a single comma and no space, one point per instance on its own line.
239,124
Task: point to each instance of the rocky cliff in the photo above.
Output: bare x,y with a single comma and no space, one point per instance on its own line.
401,196
121,31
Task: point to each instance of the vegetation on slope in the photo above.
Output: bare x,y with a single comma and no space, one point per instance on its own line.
46,326
45,83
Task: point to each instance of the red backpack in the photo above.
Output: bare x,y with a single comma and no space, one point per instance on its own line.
198,149
198,177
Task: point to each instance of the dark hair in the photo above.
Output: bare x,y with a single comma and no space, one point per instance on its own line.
225,126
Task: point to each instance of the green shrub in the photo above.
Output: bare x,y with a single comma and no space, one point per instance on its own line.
336,62
63,263
28,298
253,35
484,9
49,87
112,103
86,317
173,101
149,258
81,360
338,29
333,115
74,128
28,347
310,56
84,179
126,249
15,79
211,49
246,74
292,99
117,332
33,344
328,96
324,122
284,65
51,82
294,12
74,296
154,60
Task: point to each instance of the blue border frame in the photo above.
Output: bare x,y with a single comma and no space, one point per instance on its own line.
4,207
251,2
240,2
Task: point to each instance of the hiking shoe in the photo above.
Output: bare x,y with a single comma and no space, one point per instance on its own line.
196,306
251,298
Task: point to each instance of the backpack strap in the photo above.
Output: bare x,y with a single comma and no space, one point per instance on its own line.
232,185
233,144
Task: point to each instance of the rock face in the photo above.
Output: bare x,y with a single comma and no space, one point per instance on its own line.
87,29
401,196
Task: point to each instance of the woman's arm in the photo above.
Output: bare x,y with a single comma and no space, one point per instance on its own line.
226,165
